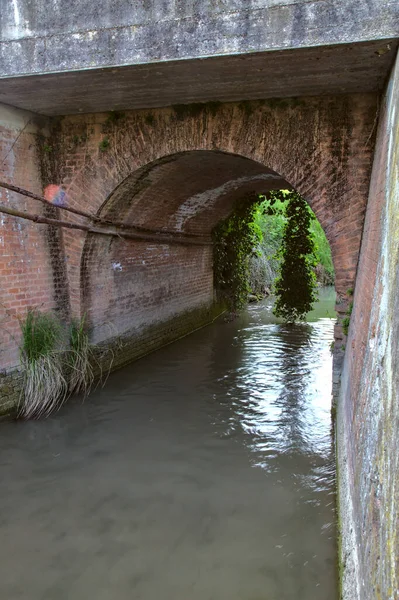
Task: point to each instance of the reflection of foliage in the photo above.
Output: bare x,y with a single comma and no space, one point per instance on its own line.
234,241
295,286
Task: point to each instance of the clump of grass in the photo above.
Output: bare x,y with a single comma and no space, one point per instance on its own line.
45,388
80,358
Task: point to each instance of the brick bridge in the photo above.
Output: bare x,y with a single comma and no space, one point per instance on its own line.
219,99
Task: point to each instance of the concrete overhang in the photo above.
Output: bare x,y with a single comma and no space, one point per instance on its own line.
340,69
81,56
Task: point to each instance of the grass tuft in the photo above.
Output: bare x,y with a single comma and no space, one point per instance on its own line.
80,358
45,388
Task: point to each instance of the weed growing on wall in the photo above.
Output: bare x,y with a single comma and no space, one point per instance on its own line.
104,144
347,319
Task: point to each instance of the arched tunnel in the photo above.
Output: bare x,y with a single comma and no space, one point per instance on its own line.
130,285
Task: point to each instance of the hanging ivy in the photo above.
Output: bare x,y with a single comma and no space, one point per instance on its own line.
295,287
234,241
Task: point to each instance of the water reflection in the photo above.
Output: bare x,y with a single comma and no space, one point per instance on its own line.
204,471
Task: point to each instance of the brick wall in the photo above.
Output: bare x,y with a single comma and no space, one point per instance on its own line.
25,269
132,285
181,169
178,170
368,411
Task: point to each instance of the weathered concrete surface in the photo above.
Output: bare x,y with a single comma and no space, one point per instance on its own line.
47,37
368,410
342,69
151,54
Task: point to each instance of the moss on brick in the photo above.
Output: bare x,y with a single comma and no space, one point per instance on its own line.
10,390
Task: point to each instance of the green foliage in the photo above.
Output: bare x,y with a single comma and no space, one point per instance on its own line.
45,388
47,149
79,139
347,319
234,241
345,324
322,252
40,334
104,144
81,376
295,286
270,217
265,240
264,264
55,364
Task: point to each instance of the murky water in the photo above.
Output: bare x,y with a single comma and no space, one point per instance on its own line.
204,471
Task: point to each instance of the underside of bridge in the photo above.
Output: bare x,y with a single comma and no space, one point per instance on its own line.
136,284
219,100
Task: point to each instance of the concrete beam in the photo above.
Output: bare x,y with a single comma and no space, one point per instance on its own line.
340,69
46,37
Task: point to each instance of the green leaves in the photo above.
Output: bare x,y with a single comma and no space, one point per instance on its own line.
295,287
234,241
40,335
282,229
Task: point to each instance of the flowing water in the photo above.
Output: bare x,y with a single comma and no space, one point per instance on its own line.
203,471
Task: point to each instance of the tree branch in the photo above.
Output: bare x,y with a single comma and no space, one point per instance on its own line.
160,238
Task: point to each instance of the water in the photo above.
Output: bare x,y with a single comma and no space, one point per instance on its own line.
202,472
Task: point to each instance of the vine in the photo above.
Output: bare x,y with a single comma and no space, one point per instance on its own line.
295,287
238,239
234,241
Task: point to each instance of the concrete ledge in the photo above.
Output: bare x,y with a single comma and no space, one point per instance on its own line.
339,69
44,37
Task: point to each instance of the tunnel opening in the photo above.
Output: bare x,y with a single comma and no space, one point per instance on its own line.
272,244
140,295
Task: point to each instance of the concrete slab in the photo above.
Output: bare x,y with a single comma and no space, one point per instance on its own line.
339,69
50,36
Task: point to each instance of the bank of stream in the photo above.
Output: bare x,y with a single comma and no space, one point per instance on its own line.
203,471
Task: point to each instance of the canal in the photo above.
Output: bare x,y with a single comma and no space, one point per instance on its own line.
204,471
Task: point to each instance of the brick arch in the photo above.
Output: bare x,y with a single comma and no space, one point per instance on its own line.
125,282
159,165
188,191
